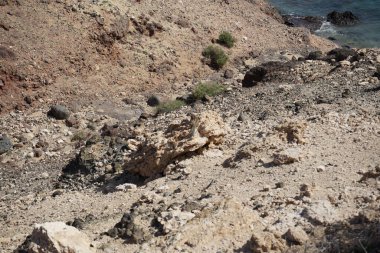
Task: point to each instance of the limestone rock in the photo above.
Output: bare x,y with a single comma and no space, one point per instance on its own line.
157,150
174,219
296,235
321,212
126,187
345,63
57,237
292,131
290,155
266,242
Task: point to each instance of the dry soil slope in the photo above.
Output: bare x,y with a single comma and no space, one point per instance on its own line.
53,50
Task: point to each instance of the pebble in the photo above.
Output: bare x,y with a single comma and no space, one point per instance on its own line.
38,152
296,235
321,168
280,185
45,175
266,188
345,63
187,171
242,117
109,168
126,187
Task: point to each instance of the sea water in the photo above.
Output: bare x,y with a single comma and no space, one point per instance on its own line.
364,34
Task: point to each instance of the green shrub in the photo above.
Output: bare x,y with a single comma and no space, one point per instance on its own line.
170,106
226,39
209,89
216,56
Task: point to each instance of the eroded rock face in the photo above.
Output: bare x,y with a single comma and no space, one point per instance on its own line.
57,237
292,131
153,152
266,242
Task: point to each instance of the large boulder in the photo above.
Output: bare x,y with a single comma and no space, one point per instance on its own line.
59,112
253,76
342,18
272,71
341,54
58,237
153,152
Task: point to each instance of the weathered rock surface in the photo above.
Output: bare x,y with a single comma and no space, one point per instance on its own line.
262,242
5,144
292,131
58,237
296,235
287,156
321,212
59,112
155,151
214,221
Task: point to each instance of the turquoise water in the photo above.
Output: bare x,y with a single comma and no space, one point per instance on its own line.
364,34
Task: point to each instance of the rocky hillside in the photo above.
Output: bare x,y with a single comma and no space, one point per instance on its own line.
123,139
82,51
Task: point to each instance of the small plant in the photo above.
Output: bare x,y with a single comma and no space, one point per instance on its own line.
207,89
216,56
170,106
226,39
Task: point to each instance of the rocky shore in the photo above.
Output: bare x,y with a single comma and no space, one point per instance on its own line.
285,158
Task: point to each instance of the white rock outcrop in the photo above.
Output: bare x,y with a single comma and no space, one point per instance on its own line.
153,152
57,237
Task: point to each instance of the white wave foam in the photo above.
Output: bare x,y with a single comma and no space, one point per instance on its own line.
326,28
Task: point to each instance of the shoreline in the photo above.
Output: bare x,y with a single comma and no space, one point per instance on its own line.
310,22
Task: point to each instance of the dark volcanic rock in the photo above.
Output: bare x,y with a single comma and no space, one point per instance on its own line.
253,76
270,71
316,55
342,18
311,22
59,112
5,144
340,54
153,101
